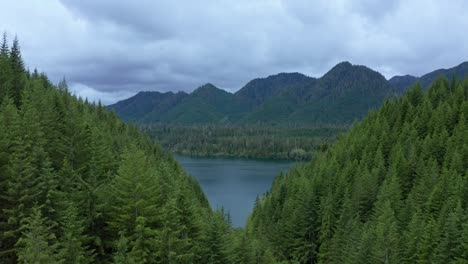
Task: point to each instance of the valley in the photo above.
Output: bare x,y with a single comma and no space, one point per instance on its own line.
345,168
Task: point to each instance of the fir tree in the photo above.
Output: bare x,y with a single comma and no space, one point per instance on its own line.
35,245
18,72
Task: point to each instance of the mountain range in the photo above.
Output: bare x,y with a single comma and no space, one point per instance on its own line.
345,93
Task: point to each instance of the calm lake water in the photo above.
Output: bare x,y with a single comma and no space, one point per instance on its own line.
233,183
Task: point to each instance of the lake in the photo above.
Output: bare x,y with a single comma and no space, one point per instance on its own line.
233,183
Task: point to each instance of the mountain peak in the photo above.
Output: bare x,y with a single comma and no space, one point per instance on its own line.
342,66
463,64
207,88
259,90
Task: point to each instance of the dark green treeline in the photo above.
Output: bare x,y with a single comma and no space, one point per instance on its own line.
258,142
392,190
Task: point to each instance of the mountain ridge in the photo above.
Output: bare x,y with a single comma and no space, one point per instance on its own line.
343,94
402,82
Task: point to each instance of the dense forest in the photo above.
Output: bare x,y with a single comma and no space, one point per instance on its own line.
259,142
79,186
392,190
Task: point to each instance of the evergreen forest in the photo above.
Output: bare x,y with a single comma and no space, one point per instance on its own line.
77,185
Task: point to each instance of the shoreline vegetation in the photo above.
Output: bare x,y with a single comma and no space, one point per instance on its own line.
250,142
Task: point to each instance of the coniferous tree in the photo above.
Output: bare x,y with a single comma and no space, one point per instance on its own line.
120,255
5,69
18,72
144,243
35,244
71,243
133,193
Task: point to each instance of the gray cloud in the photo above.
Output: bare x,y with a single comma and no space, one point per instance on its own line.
110,50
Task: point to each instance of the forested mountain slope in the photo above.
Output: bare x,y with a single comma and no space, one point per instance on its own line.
401,83
342,95
207,104
148,105
345,93
257,91
394,189
79,186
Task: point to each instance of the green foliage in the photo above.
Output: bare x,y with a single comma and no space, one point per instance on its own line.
36,244
261,142
391,190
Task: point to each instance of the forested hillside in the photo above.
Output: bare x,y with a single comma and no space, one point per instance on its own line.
394,189
151,105
343,94
401,83
79,186
257,91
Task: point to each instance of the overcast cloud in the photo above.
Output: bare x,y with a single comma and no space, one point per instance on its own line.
110,49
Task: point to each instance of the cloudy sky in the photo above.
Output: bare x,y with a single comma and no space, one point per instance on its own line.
110,49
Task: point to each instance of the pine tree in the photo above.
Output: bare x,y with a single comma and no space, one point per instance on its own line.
450,247
133,193
9,130
243,249
120,255
71,243
386,248
35,245
217,243
18,73
144,243
26,162
5,69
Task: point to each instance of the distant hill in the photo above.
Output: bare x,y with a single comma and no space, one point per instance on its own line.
401,83
147,104
257,91
207,104
345,93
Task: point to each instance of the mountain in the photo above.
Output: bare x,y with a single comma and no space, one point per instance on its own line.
343,94
459,72
147,104
259,90
403,82
207,104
